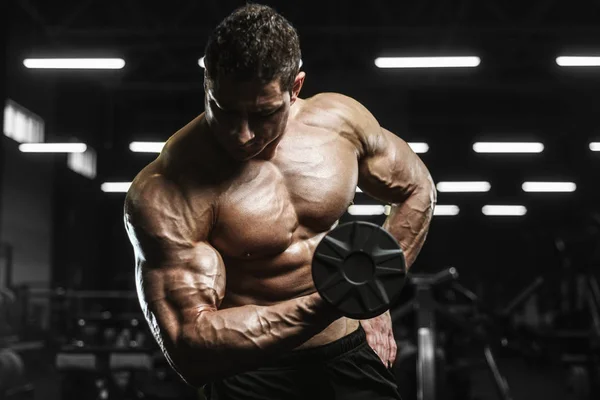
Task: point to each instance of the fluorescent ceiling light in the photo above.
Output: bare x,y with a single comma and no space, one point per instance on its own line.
366,209
458,186
570,61
419,147
504,210
115,187
446,210
427,62
21,124
74,63
146,147
52,147
508,147
549,186
595,146
369,209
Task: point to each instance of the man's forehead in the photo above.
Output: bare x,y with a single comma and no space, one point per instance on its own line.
250,92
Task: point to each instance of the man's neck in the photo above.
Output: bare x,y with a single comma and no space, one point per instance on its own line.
295,109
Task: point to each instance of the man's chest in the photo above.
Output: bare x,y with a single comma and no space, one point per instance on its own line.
307,185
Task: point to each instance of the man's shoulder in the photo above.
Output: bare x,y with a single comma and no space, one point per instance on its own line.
171,191
342,114
160,187
337,108
333,101
156,202
185,144
185,159
158,183
148,187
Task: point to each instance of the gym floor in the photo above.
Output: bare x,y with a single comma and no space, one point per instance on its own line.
525,382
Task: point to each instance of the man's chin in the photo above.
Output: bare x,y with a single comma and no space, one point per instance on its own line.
244,155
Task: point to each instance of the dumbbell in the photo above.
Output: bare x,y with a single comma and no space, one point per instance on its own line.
359,268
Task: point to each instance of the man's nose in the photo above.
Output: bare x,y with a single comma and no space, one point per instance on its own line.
243,133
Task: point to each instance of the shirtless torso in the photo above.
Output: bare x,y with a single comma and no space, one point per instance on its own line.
224,248
273,214
269,214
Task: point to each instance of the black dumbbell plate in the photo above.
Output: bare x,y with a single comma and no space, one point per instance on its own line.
359,268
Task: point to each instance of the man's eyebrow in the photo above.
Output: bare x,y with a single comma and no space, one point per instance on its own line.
260,107
268,106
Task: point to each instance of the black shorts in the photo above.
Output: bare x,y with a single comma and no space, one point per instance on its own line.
345,369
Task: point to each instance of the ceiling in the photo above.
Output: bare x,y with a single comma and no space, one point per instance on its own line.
518,92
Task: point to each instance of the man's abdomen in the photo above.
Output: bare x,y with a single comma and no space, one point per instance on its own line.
273,280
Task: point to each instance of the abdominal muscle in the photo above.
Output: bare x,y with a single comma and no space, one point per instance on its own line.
270,280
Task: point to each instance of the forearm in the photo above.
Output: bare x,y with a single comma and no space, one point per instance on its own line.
232,340
409,220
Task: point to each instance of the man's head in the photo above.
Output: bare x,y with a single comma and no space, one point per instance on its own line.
252,78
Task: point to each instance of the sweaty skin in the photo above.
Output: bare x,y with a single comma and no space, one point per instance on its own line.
223,249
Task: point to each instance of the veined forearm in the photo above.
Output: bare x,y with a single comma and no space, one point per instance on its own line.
233,340
409,221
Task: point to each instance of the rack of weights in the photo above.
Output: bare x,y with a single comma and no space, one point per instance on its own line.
107,351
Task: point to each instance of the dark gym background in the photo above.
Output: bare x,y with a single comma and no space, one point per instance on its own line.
60,231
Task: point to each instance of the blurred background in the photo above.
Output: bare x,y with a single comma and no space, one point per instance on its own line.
507,117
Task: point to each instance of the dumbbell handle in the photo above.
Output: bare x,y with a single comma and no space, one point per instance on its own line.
438,278
445,276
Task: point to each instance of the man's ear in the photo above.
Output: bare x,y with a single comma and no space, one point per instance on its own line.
297,86
206,81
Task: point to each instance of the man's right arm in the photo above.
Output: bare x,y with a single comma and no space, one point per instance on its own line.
180,279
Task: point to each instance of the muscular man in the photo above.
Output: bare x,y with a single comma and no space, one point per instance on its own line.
225,221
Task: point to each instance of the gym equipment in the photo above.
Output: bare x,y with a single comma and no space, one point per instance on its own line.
426,309
570,335
359,268
12,370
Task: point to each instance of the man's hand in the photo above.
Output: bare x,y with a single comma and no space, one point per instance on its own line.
380,337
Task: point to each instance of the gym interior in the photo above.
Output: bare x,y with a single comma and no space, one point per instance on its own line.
498,99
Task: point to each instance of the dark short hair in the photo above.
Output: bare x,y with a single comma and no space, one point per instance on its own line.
254,42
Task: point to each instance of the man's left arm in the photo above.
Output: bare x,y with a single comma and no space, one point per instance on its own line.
390,171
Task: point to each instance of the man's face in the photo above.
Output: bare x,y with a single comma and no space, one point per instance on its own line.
246,116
